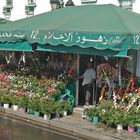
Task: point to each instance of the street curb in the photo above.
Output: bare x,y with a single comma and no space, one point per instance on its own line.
51,125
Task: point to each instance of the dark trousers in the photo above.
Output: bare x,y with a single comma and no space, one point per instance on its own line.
87,92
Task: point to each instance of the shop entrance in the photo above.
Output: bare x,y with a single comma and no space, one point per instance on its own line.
84,59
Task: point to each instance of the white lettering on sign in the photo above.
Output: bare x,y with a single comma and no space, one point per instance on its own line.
136,39
34,34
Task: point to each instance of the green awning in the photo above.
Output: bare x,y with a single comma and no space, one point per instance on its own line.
97,26
78,50
3,21
17,46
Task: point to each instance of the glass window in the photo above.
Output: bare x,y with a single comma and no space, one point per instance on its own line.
31,1
9,2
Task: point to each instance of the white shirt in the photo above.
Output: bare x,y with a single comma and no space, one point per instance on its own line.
88,76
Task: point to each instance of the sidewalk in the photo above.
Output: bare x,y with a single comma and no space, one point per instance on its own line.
74,126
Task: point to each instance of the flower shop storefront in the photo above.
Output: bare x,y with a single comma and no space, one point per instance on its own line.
108,33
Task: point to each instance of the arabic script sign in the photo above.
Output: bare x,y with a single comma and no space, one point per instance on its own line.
99,40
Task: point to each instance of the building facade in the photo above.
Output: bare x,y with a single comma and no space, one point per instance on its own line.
18,9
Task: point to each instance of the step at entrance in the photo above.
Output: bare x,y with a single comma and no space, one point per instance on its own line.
77,112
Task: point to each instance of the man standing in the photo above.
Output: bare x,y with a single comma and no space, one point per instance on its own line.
88,80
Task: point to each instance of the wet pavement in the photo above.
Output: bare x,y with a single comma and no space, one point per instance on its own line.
11,129
74,126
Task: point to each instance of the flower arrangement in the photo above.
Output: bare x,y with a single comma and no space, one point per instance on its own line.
105,71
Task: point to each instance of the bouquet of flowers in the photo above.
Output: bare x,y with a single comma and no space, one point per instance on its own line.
105,71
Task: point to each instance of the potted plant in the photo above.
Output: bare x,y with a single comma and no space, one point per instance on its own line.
57,108
109,117
23,101
1,102
34,106
5,98
14,101
93,114
131,120
47,108
106,109
65,107
119,119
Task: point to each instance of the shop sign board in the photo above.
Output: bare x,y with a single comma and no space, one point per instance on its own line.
88,1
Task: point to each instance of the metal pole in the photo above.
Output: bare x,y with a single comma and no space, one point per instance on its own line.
77,82
94,84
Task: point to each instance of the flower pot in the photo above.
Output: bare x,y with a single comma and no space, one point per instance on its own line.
0,104
65,113
15,107
131,129
138,129
57,115
95,120
30,111
47,117
36,113
5,106
119,127
22,109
